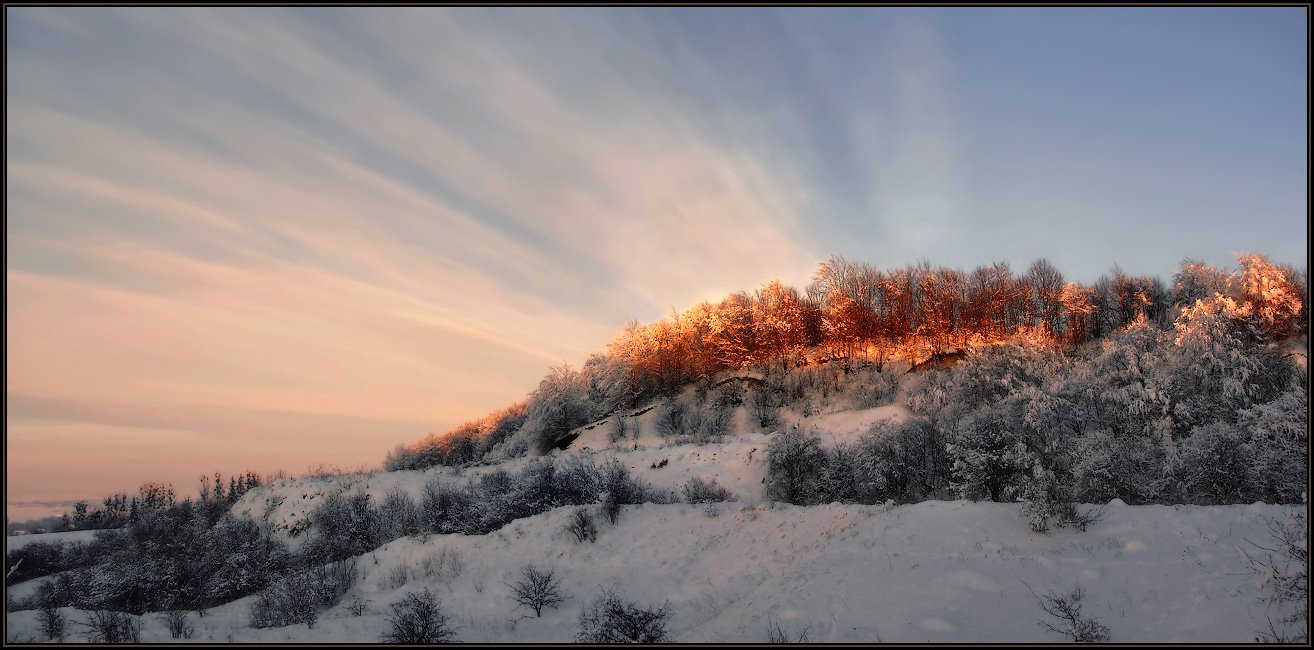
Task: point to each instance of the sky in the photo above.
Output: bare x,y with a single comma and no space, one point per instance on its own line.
278,238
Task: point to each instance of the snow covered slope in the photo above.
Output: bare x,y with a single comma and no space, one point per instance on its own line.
929,572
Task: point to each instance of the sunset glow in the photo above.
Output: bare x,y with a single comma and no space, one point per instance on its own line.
279,238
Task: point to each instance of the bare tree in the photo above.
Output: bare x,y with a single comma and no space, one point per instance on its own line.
612,618
537,588
581,526
418,618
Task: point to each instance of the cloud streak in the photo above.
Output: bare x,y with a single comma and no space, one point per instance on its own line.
265,223
235,224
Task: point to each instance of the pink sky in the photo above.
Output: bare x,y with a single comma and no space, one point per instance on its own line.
274,238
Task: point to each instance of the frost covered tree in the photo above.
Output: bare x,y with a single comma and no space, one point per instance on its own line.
794,462
1277,444
559,404
1199,281
1214,465
989,457
1274,295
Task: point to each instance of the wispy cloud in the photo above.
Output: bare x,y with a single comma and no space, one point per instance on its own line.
399,217
292,215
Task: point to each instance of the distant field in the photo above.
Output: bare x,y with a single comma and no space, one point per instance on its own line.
14,542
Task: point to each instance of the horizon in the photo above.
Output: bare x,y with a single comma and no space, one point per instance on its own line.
280,238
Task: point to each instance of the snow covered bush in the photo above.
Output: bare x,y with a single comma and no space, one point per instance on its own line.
1045,499
712,423
611,618
1277,444
559,404
240,558
1109,466
838,477
399,515
990,459
40,559
1213,464
418,619
697,490
449,508
794,462
619,488
617,430
671,419
871,388
764,406
300,598
906,462
776,632
344,526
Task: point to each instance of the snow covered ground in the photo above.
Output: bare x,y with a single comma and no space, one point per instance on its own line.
14,542
936,571
940,572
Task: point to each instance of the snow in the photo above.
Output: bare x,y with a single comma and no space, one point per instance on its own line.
843,427
15,542
941,572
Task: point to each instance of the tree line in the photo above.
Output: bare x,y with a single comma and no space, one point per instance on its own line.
853,313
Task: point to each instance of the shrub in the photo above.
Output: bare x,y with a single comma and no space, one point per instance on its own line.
35,560
696,490
610,618
358,607
112,627
1067,610
398,577
581,526
345,526
794,460
447,564
873,388
418,618
52,623
537,588
178,626
764,408
620,489
1282,564
301,597
617,430
905,462
708,424
776,632
286,602
400,515
671,419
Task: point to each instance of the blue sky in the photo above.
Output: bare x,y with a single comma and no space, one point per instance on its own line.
306,235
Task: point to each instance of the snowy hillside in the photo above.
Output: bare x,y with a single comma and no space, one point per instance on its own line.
1022,431
936,571
929,572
